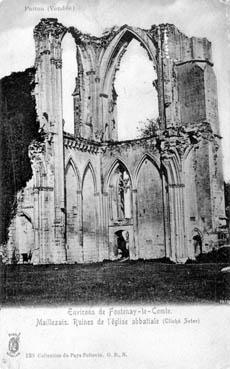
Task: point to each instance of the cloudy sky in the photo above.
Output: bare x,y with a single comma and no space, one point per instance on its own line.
201,18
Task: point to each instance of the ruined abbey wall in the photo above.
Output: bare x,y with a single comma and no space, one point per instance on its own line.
91,195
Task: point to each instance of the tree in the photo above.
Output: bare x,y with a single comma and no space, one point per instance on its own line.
149,127
227,198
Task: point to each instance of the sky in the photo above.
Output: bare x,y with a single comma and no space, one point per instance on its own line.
201,18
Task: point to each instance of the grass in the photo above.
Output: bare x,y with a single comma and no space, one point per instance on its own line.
113,282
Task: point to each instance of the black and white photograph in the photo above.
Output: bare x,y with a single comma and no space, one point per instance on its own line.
114,183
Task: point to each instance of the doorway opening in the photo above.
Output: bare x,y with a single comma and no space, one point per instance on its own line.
197,240
121,250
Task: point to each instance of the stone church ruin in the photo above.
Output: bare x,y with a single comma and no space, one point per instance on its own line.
92,197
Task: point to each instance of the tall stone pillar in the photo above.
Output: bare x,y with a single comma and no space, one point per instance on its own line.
48,35
175,246
166,218
81,224
181,251
98,225
173,225
105,220
135,225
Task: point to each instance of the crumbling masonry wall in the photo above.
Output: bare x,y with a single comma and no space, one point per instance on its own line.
91,194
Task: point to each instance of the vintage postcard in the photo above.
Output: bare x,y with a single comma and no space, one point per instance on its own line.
114,184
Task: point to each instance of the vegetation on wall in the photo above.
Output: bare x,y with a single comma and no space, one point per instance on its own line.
227,199
18,127
149,127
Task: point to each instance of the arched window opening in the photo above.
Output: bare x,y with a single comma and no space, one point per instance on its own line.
69,74
25,238
89,218
137,98
120,194
72,206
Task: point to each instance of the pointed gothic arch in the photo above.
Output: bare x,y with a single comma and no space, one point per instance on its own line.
71,163
89,167
116,162
109,66
89,215
73,211
147,156
119,43
119,186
